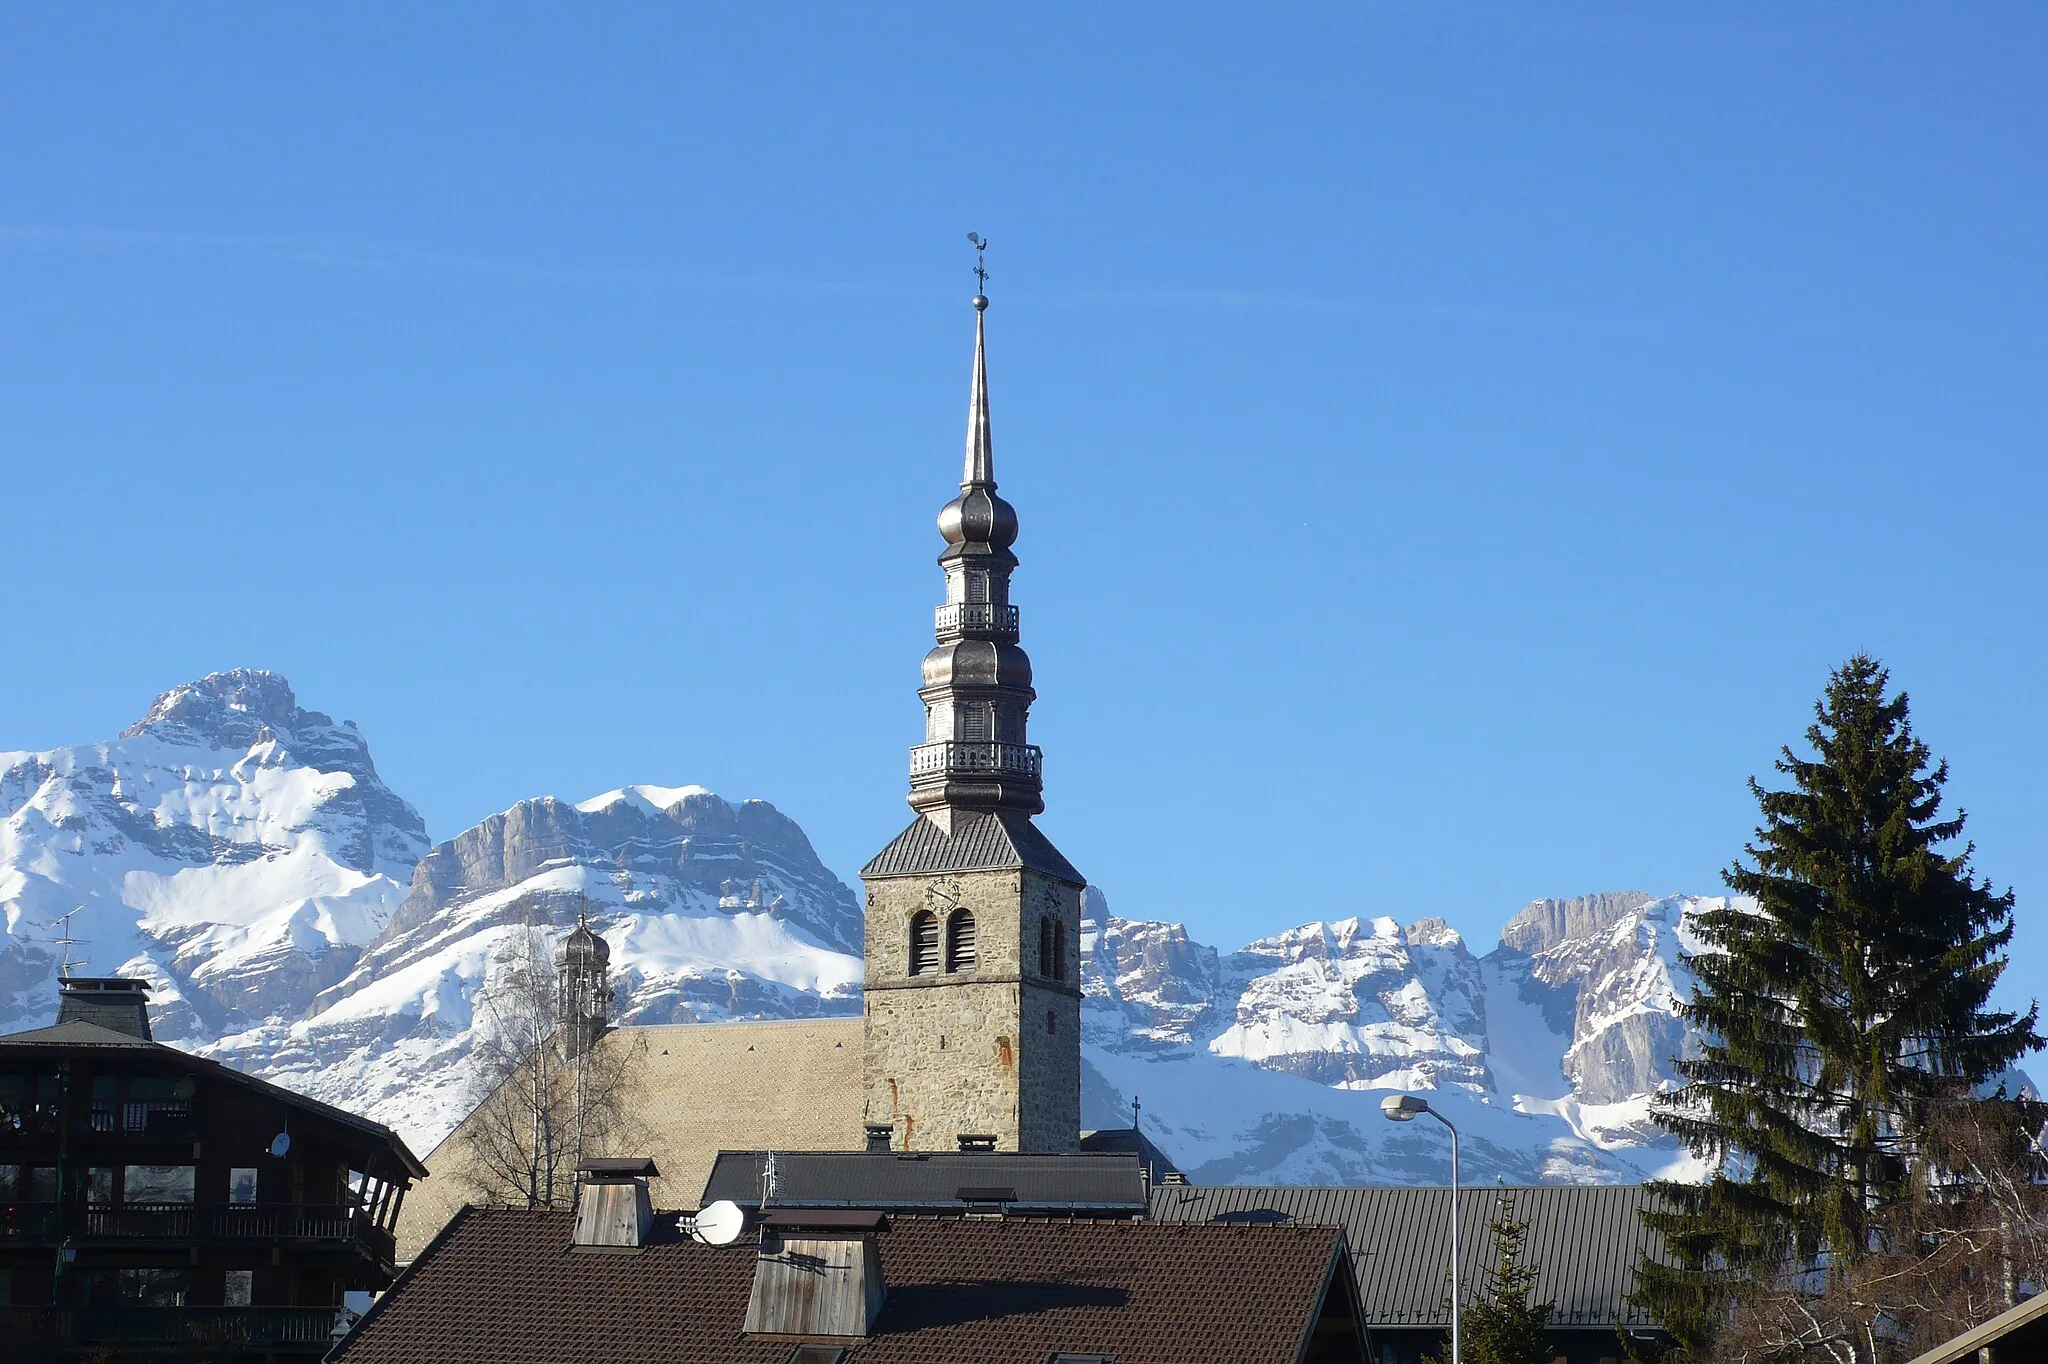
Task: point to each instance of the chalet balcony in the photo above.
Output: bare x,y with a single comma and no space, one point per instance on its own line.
142,1120
207,1330
975,757
335,1225
975,617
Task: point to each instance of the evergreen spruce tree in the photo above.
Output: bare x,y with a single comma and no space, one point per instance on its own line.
1503,1327
1832,1010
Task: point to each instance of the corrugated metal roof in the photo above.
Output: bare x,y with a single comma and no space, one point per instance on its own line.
995,841
1585,1241
1094,1184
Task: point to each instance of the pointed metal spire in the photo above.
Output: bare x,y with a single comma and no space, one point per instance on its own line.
980,470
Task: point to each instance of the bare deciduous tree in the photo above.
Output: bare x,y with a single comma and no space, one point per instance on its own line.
540,1110
1952,1254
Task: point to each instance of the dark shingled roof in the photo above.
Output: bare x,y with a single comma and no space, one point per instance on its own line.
993,841
93,1037
499,1287
1109,1184
1585,1241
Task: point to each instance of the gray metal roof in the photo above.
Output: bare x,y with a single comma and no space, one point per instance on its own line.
1108,1184
1585,1241
980,841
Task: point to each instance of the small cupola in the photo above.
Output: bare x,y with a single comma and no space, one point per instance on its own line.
117,1003
614,1211
818,1273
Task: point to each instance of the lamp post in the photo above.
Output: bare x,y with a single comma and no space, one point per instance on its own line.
1403,1108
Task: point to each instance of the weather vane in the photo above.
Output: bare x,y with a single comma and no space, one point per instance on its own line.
980,244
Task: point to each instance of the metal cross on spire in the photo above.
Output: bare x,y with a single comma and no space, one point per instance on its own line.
980,244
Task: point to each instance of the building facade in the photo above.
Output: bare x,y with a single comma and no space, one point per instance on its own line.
972,1029
158,1205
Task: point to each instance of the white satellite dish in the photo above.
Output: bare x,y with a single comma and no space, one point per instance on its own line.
280,1144
719,1224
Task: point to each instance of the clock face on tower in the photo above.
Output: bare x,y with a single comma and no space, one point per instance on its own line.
942,895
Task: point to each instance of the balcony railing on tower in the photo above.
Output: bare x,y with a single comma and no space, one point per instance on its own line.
976,756
959,617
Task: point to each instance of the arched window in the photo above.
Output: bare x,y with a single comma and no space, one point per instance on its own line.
924,943
1046,934
1059,950
960,941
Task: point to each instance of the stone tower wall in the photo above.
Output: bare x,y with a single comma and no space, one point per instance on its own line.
972,1052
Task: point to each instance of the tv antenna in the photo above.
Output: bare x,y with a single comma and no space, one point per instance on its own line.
980,245
62,923
768,1180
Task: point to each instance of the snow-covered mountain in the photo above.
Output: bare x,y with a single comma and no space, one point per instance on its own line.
243,854
1268,1065
712,911
238,850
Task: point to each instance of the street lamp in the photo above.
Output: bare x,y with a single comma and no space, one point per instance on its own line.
1403,1108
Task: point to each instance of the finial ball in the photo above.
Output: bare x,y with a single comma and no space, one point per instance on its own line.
981,303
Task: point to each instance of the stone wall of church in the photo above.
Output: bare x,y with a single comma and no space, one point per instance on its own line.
993,1050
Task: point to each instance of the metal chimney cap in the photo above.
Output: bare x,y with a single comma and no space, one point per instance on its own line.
620,1167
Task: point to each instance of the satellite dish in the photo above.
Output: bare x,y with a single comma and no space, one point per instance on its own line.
280,1144
720,1224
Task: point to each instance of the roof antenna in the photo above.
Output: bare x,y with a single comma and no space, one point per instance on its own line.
767,1180
980,245
62,923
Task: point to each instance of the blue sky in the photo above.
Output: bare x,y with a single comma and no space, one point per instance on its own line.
1453,443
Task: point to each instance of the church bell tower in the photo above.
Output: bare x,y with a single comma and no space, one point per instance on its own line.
973,1003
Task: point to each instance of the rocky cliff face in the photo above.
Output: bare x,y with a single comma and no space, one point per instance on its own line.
1249,1066
712,911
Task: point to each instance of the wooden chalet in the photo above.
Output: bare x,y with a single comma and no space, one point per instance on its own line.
159,1205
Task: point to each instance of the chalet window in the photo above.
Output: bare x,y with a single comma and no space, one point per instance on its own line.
242,1184
153,1287
28,1184
101,1181
136,1287
157,1183
924,943
238,1288
960,941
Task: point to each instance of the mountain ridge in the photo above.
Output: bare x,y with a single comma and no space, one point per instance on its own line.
243,852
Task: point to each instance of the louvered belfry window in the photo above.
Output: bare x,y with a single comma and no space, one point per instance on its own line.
924,944
1046,959
960,941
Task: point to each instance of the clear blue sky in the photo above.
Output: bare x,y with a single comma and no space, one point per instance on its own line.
1453,443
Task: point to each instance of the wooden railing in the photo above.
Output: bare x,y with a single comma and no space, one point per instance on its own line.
308,1329
195,1222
